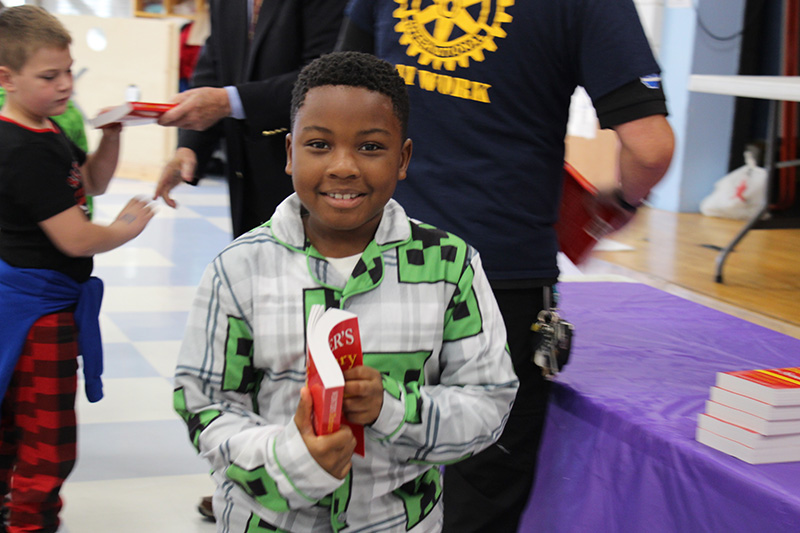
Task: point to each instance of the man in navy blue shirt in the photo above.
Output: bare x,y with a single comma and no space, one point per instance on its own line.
490,83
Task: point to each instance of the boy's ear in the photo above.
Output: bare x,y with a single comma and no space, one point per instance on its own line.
405,158
6,80
289,154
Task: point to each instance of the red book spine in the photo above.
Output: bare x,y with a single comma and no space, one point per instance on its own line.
345,343
327,402
776,378
149,109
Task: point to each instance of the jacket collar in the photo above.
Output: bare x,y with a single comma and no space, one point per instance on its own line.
287,226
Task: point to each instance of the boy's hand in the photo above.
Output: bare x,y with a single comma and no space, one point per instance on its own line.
134,217
111,130
363,395
332,452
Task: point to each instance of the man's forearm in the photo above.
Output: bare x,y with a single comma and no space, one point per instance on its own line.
646,147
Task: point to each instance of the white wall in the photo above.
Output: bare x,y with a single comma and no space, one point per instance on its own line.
651,13
139,51
702,122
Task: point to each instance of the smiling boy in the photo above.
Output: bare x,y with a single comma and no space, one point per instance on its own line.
437,383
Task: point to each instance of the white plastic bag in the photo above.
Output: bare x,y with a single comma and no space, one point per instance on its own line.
740,194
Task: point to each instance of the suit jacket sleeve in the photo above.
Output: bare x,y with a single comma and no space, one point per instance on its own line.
267,102
205,74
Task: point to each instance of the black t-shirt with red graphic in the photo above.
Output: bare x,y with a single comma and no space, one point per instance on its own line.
39,178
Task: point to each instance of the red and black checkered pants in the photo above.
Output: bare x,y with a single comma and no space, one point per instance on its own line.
38,426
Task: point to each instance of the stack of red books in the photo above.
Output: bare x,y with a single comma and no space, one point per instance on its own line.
754,415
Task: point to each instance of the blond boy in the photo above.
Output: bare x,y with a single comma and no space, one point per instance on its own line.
49,302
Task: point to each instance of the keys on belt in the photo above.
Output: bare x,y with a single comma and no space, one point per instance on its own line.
552,339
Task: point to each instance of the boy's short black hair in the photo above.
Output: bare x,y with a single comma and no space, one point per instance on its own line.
24,30
353,69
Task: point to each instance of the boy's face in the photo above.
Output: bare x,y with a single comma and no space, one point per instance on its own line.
345,155
41,88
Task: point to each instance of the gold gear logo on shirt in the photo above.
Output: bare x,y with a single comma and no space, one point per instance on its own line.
450,32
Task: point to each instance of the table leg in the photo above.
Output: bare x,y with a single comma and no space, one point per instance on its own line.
769,165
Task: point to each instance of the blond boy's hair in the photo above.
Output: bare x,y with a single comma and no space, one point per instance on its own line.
26,29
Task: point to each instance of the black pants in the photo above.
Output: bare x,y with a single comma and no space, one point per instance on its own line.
489,492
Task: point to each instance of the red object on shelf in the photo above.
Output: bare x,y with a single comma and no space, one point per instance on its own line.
787,177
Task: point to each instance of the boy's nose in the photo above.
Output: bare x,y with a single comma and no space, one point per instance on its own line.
65,82
343,165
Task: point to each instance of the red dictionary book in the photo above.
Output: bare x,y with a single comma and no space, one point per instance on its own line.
577,228
333,346
131,114
774,386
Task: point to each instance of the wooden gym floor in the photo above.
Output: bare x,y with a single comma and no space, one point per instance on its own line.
677,252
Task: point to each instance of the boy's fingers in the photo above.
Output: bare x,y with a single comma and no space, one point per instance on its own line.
302,417
344,436
344,443
362,385
358,372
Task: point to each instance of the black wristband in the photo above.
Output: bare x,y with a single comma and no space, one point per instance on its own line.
623,203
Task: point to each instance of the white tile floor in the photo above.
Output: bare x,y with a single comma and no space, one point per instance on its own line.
136,470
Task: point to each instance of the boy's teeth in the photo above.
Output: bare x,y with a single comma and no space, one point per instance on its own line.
343,196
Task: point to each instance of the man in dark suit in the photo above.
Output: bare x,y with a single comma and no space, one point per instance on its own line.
241,93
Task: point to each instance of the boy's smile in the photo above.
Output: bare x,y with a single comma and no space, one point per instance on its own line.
40,89
345,155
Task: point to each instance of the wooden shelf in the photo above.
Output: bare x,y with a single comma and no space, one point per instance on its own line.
168,8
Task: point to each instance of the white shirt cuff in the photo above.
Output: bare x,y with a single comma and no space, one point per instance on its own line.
237,109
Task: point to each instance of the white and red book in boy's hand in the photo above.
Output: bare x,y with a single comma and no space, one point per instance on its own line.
131,114
333,345
775,386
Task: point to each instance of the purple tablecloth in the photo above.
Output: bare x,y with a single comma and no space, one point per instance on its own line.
618,452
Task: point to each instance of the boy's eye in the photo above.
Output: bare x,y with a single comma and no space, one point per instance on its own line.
371,147
319,145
